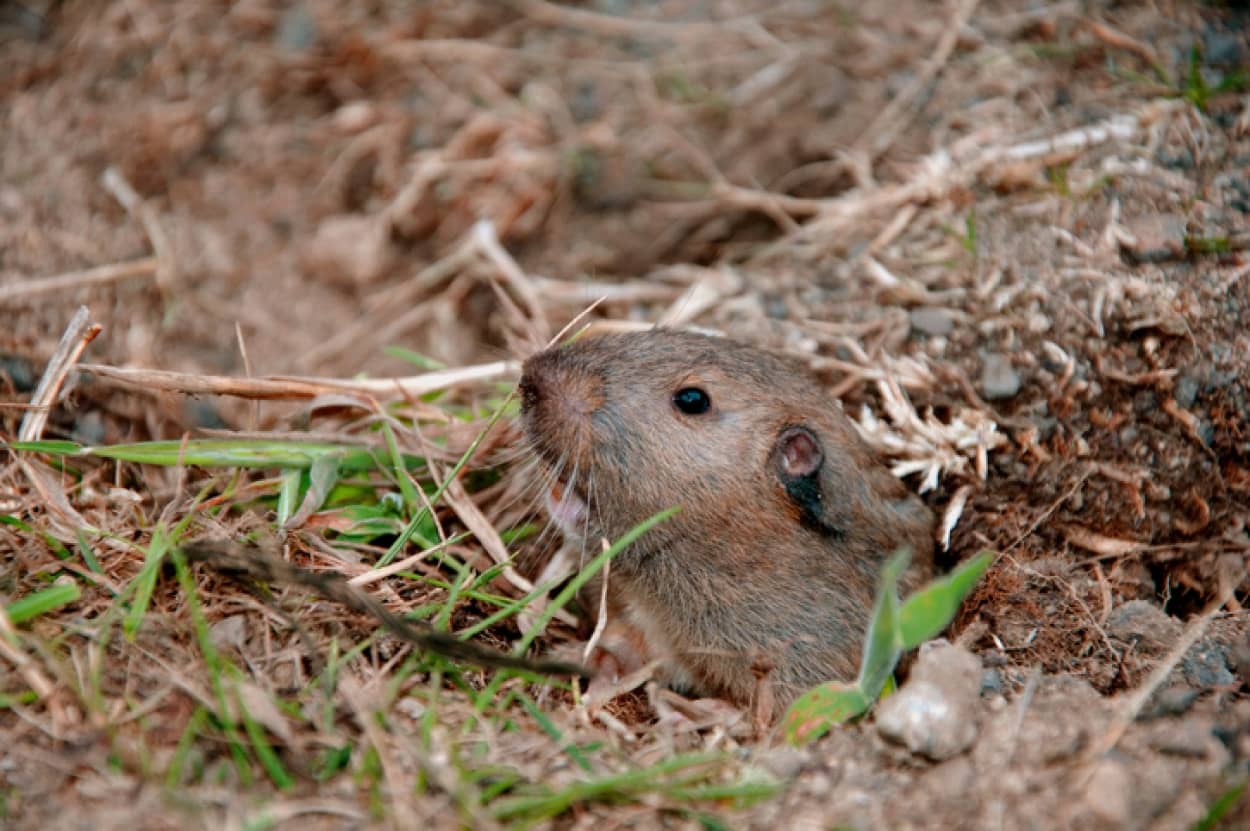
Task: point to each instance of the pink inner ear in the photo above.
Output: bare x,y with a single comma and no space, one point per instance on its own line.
800,455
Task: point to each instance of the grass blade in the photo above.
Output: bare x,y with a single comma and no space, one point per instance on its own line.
145,582
582,577
42,602
247,453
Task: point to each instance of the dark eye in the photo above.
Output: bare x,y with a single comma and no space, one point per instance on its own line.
691,400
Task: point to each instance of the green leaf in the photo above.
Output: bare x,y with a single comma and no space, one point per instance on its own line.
42,602
927,612
261,747
816,712
893,630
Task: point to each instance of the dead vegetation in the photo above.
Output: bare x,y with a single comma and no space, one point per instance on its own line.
1012,237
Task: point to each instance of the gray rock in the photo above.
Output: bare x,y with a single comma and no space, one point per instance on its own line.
785,762
1108,798
229,632
1156,238
992,682
935,713
19,370
297,31
932,321
1143,623
1189,738
999,379
89,428
1206,665
1222,48
1169,701
1186,391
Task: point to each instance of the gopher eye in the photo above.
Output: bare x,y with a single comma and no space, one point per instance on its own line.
691,400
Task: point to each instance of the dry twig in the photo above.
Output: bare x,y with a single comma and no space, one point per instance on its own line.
89,277
281,387
258,565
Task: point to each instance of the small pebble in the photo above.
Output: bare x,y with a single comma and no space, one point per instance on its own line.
1156,238
19,370
932,321
229,632
355,117
935,713
89,428
1142,622
350,249
1186,391
999,379
1190,738
1107,801
1169,701
1206,665
1222,49
991,682
785,762
297,30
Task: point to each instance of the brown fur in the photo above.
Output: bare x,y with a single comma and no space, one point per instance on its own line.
744,579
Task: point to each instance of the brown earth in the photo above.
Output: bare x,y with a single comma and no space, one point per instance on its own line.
1015,242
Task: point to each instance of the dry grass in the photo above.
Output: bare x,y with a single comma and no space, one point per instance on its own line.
465,179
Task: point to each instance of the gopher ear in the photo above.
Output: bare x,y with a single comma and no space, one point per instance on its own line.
798,452
799,461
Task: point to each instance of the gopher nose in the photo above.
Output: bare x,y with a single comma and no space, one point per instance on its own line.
554,384
535,382
531,392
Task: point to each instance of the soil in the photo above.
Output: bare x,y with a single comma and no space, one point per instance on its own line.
1015,246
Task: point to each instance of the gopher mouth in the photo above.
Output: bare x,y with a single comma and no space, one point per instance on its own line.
567,509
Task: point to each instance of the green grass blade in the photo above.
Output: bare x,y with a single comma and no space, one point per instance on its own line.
42,602
423,362
88,556
628,785
322,477
458,584
881,650
553,732
145,581
582,577
214,666
406,487
52,447
288,496
450,477
506,611
1220,808
264,751
248,453
51,541
182,751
